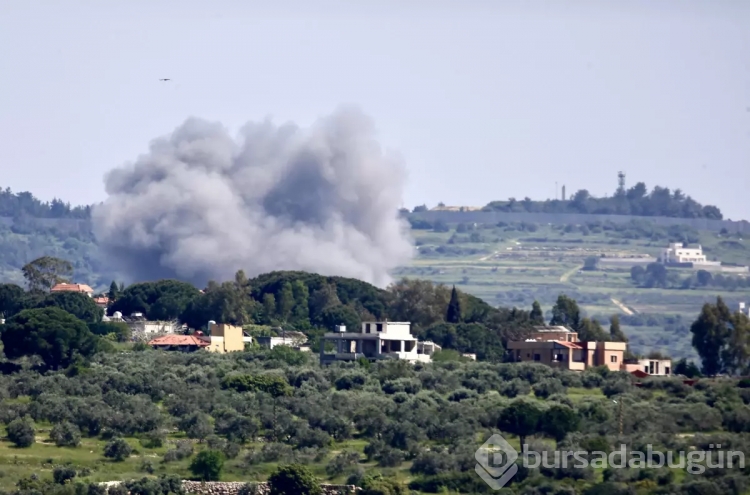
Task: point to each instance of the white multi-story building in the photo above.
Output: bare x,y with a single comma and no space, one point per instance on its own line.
375,340
676,253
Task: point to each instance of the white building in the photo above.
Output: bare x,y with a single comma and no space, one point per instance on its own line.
656,367
141,328
675,253
290,338
376,340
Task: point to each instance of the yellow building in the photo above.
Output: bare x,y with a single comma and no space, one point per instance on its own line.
225,338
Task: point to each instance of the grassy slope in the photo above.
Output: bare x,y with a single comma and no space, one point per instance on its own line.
514,269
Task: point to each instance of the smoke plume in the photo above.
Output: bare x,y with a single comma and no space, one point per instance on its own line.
202,205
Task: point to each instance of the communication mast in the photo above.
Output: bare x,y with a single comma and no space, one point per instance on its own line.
620,181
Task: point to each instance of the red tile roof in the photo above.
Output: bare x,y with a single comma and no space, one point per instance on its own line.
72,288
169,340
569,345
101,300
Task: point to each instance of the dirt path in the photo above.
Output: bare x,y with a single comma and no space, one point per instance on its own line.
622,307
565,276
485,258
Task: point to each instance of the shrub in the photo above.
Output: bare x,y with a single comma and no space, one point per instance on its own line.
65,434
61,474
207,465
21,432
183,450
117,449
153,439
147,466
293,480
342,462
548,387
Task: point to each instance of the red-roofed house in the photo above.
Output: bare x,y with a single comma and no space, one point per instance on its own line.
64,287
184,343
102,301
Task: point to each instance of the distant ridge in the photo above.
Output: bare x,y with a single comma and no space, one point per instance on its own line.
494,217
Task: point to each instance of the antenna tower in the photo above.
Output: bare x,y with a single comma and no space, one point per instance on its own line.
621,181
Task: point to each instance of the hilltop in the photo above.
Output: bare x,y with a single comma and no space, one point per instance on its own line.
637,201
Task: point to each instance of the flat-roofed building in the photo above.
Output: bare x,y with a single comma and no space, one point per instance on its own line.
559,347
375,340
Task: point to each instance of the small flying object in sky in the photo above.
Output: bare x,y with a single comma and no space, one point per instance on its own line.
165,79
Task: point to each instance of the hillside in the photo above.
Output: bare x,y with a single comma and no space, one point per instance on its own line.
505,263
514,264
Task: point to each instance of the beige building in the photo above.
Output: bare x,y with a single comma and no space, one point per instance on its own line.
225,338
558,347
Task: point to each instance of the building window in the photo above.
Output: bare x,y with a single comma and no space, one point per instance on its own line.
380,327
612,359
367,328
537,357
666,370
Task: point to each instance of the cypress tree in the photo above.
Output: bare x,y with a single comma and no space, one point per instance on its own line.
536,315
615,331
454,308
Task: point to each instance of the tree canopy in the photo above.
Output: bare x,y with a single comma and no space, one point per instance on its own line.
161,300
79,305
44,273
53,334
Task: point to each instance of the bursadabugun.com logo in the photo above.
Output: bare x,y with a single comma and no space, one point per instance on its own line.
497,460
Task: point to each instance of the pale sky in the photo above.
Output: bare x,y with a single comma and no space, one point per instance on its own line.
483,99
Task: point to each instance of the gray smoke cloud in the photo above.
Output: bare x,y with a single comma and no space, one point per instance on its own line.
202,204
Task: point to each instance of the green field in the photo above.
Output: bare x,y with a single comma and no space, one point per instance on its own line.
510,267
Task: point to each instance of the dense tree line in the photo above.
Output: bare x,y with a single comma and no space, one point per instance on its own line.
26,204
657,275
637,200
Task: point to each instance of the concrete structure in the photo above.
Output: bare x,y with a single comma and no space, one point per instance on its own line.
290,338
141,328
656,367
428,348
559,347
547,332
225,338
676,254
376,340
649,367
65,287
473,357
